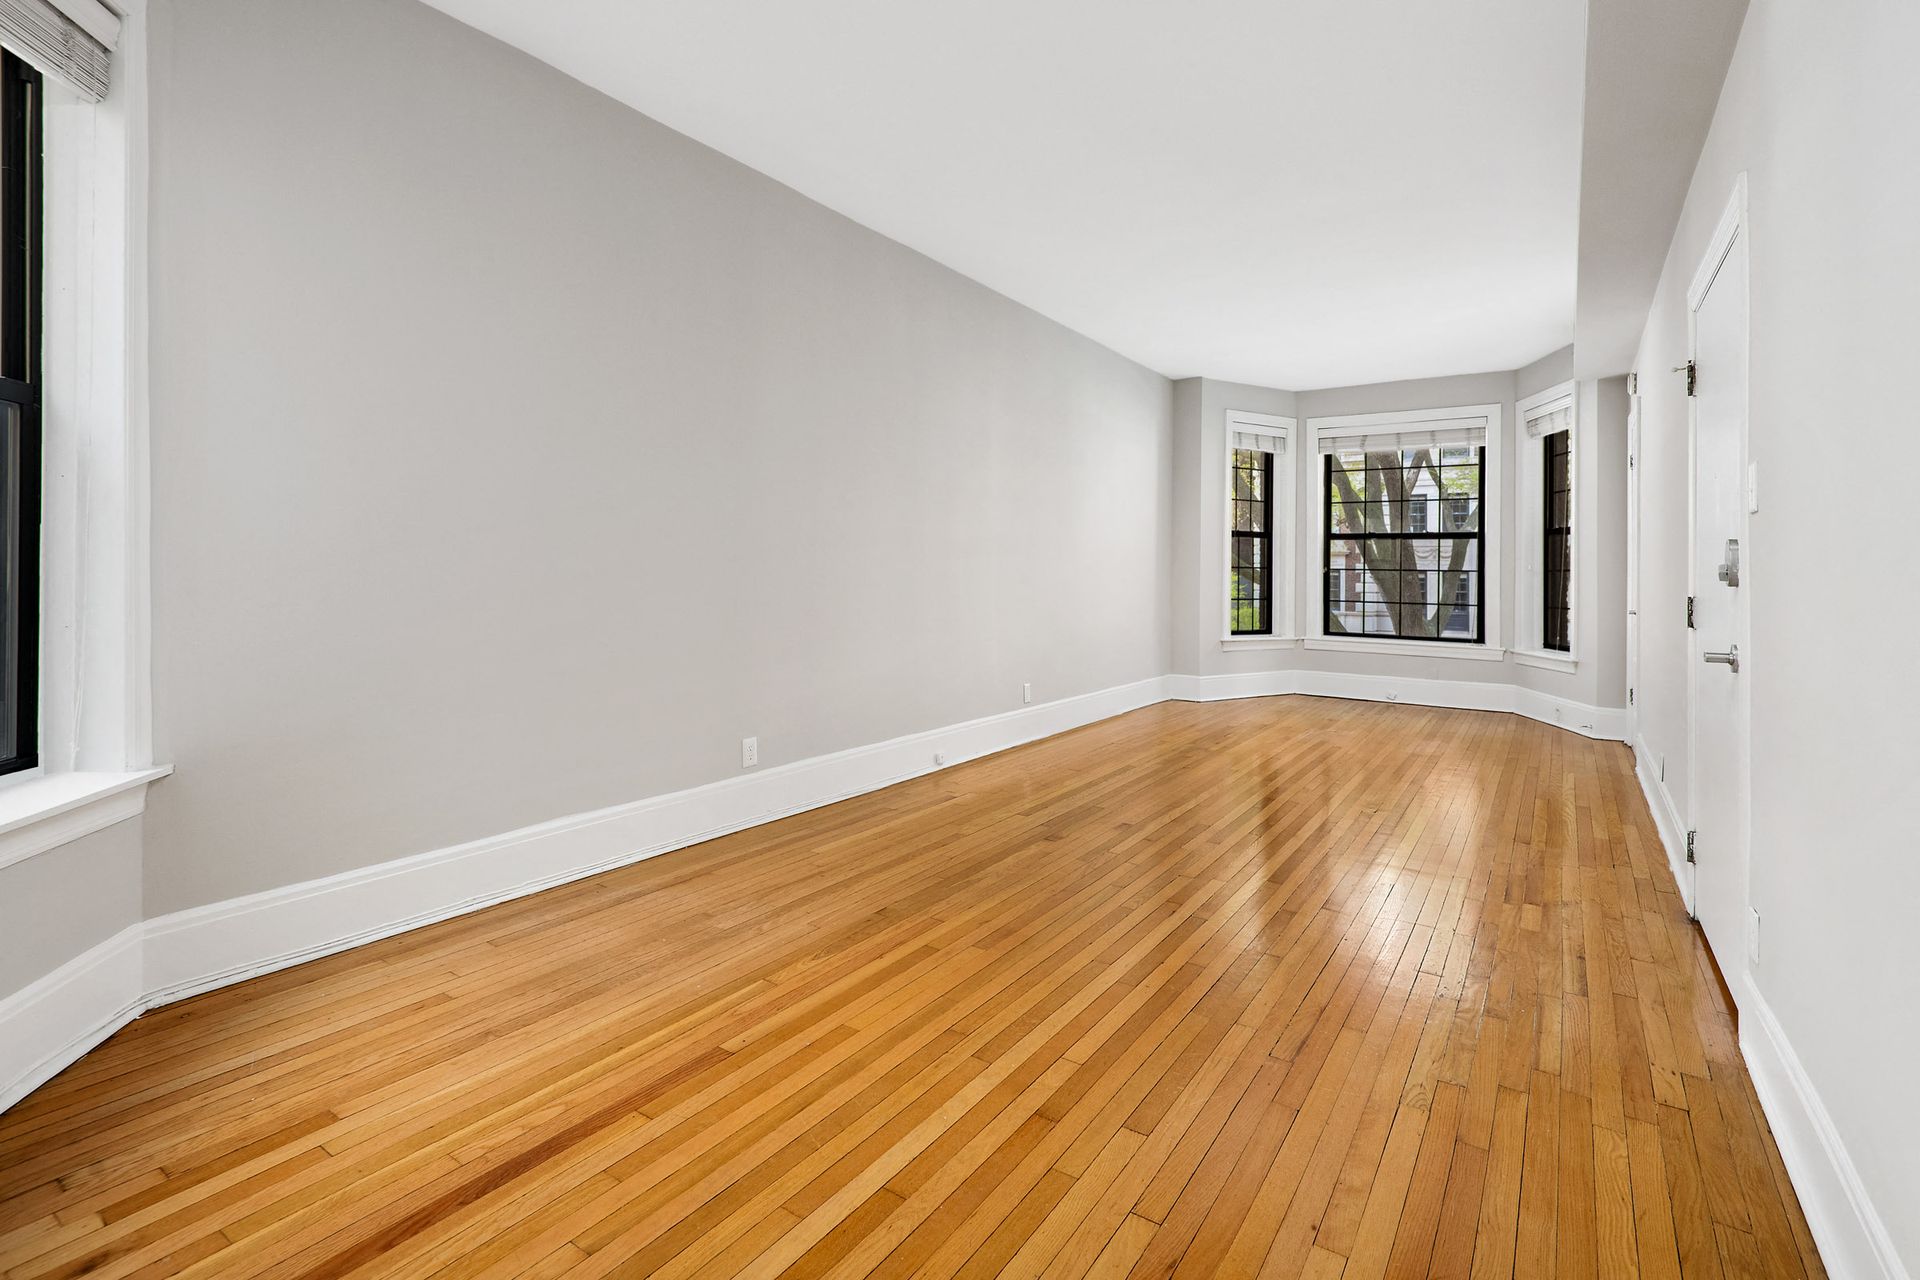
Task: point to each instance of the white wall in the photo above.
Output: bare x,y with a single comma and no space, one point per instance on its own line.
1821,109
515,456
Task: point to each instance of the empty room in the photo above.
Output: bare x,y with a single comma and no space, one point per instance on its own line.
1025,638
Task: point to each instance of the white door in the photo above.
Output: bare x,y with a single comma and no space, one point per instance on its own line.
1719,776
1633,565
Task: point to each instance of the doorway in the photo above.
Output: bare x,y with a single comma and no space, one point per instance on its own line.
1720,649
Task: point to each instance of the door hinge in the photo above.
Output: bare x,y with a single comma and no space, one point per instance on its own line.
1690,836
1633,384
1690,613
1629,697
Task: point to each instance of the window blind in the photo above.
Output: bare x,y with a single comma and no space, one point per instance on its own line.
1545,424
1259,441
1471,432
70,39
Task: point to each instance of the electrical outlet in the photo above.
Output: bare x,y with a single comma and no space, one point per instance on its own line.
749,752
1026,693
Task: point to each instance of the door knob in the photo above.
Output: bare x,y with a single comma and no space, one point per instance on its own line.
1730,658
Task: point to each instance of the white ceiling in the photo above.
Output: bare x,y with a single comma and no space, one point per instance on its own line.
1293,193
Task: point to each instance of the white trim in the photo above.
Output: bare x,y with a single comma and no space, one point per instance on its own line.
94,18
1457,650
1409,419
48,812
1852,1237
1606,723
95,561
1666,819
49,1025
1539,405
1545,660
1234,644
1492,501
1281,512
1732,220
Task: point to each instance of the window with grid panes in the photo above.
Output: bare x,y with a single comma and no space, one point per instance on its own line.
1250,575
1557,549
1389,573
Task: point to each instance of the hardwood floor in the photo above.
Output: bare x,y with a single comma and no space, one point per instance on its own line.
1284,987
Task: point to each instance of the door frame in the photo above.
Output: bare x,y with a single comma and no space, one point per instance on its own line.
1733,228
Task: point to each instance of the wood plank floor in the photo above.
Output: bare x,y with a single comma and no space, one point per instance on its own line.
1284,987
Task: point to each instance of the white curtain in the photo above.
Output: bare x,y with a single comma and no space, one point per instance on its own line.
1471,432
1260,442
1545,424
70,39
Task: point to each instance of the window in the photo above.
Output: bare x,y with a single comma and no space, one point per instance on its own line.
1250,583
1258,481
1388,574
1556,552
1547,586
20,291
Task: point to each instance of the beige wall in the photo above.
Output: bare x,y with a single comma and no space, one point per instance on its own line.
1819,106
515,456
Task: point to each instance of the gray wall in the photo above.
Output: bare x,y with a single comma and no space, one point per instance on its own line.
515,456
1817,100
59,903
1200,519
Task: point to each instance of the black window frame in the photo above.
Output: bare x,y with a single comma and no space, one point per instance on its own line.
21,263
1260,540
1556,542
1329,536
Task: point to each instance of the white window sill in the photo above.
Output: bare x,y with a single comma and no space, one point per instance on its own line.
1408,648
1546,660
1259,642
47,812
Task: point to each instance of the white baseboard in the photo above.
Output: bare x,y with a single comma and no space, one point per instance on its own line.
47,1026
206,947
1607,723
1853,1239
1247,684
1666,818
